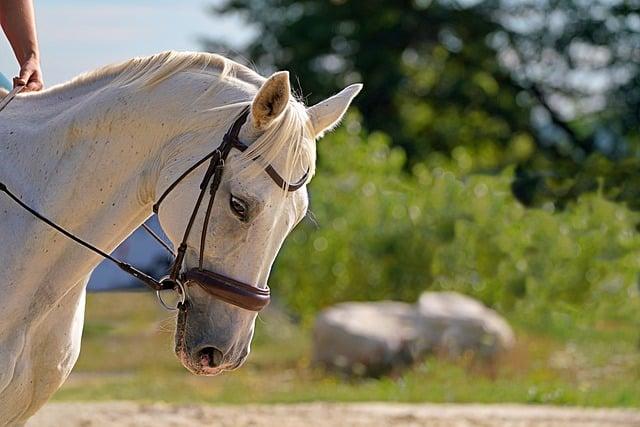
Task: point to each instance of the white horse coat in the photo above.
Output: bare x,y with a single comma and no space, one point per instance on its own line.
93,155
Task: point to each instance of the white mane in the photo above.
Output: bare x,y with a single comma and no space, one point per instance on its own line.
150,70
290,138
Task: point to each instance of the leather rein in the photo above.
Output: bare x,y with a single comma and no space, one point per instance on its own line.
222,287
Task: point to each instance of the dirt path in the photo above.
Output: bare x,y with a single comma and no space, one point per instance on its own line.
121,414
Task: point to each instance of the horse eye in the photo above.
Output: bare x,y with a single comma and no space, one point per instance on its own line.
239,207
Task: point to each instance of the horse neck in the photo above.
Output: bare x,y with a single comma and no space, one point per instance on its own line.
92,158
80,153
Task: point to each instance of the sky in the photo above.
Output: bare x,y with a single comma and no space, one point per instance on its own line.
77,36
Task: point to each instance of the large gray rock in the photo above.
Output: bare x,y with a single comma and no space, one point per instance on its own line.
368,338
373,338
455,323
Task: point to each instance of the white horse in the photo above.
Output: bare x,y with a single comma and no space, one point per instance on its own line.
93,154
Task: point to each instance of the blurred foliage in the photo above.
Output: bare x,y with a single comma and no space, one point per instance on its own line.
552,86
579,63
384,234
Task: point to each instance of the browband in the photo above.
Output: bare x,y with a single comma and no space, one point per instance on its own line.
275,176
231,137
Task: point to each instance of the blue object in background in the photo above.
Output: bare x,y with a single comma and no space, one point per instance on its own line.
4,82
140,250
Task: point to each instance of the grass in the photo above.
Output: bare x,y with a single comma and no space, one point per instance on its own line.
127,354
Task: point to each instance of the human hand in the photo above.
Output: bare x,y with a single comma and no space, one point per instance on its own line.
30,75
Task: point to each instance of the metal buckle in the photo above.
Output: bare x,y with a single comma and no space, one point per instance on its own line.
178,287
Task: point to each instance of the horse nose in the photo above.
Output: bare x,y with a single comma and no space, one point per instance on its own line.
210,357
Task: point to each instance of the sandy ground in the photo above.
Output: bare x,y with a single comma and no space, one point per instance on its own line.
120,414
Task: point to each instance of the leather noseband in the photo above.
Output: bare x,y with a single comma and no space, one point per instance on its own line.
229,290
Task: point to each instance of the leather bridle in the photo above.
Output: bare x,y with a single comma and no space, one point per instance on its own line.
218,285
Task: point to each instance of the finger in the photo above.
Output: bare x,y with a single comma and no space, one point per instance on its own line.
34,86
25,74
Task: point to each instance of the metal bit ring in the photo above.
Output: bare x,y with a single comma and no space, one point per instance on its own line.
178,288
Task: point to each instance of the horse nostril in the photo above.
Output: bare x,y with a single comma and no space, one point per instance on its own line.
210,357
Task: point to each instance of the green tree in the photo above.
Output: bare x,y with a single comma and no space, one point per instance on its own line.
550,85
578,61
431,81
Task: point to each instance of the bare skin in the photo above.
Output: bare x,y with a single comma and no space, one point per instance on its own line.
18,22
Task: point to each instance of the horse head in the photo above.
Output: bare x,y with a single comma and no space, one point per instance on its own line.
251,215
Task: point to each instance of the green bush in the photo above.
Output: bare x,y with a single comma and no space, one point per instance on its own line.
381,233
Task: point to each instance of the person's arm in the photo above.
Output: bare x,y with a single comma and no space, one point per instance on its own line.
18,22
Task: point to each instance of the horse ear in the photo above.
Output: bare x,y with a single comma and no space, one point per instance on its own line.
271,100
326,114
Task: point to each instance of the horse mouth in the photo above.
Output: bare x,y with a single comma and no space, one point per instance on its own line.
186,361
180,347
